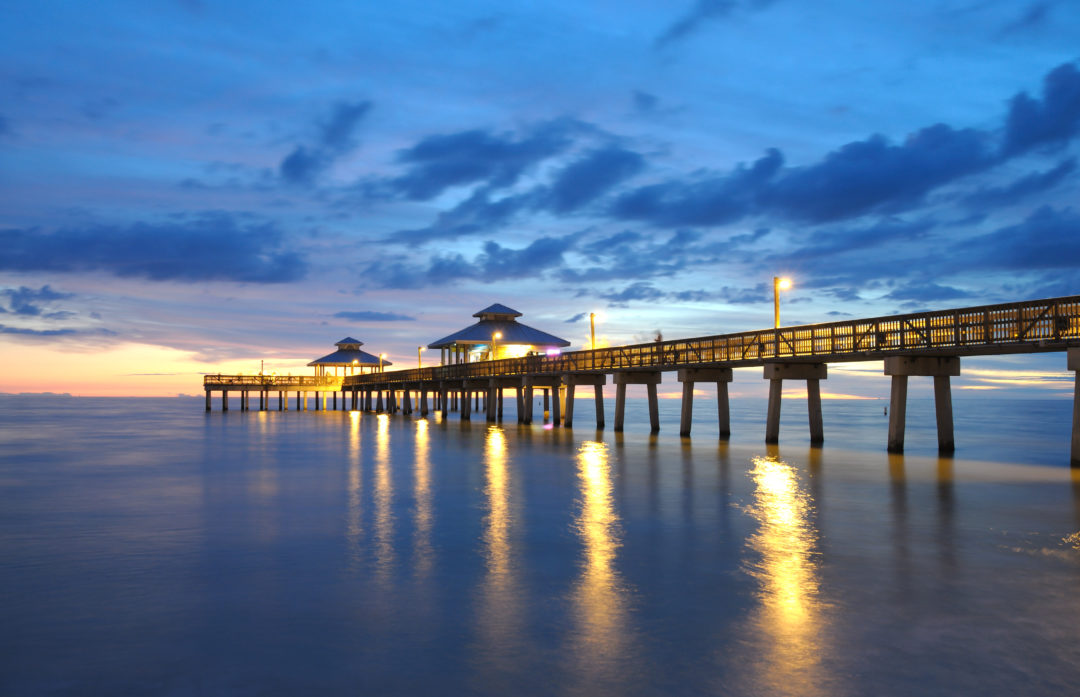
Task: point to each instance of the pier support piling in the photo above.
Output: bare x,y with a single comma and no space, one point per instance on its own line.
721,376
650,379
1074,365
938,367
813,374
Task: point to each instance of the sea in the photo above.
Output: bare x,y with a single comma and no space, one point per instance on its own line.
148,547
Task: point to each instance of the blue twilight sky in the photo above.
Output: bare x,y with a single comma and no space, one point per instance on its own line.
245,181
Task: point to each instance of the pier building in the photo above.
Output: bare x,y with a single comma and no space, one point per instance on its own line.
496,335
349,359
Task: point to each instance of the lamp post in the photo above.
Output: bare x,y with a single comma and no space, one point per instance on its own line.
592,330
355,363
418,350
381,357
778,284
495,343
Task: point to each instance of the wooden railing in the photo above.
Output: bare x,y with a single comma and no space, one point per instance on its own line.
275,381
1035,325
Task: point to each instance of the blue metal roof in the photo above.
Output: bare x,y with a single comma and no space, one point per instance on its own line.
512,333
347,356
349,340
498,309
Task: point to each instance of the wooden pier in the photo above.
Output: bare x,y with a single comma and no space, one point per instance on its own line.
925,344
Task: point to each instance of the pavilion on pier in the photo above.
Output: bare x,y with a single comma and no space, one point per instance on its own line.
349,359
498,334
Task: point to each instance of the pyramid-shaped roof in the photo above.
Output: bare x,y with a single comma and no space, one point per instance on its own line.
498,311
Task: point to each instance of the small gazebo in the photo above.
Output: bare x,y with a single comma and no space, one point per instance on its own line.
498,334
350,359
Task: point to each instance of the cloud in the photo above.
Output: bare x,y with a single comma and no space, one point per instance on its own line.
28,302
496,160
1028,185
576,318
591,176
475,215
336,137
874,174
494,263
707,200
1048,239
704,11
918,293
372,316
641,290
1051,121
1034,16
209,247
53,333
645,103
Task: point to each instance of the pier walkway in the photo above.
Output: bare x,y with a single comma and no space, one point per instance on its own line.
928,344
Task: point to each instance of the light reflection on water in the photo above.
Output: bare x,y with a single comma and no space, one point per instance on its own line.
790,614
385,555
500,620
600,597
354,522
423,552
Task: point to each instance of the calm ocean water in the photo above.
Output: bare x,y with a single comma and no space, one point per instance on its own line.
149,548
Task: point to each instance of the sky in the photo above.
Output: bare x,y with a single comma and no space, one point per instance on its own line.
192,187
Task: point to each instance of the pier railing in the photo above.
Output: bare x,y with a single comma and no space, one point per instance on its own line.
1031,326
277,382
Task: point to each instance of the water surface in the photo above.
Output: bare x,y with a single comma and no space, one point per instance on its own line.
150,548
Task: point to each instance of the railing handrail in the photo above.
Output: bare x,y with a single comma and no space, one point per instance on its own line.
1039,324
274,380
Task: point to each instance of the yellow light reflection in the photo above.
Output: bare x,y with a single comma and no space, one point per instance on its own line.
501,620
354,524
599,595
384,497
790,614
422,549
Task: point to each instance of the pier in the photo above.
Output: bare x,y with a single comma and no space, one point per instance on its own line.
924,344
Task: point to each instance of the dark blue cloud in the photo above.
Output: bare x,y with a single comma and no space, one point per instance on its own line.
596,173
372,316
338,133
704,11
644,102
497,160
1051,121
495,263
708,200
208,247
302,165
576,318
336,136
53,333
1034,16
1028,185
918,293
1048,239
639,291
477,214
874,174
28,302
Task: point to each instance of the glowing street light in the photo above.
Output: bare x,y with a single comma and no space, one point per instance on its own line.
355,363
418,350
778,285
494,343
592,330
381,357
